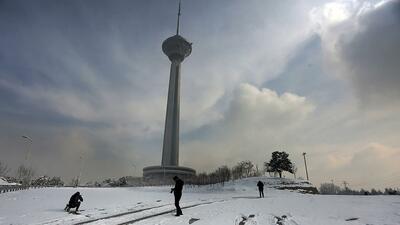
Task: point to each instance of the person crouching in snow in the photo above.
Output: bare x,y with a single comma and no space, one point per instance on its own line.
74,202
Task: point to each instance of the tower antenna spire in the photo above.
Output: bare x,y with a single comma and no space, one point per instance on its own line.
179,15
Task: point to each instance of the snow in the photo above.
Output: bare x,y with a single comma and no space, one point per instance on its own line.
212,205
3,182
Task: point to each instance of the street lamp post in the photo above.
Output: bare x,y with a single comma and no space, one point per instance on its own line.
29,172
164,174
134,169
305,164
28,152
80,169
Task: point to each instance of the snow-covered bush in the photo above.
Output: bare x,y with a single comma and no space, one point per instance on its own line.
329,189
45,181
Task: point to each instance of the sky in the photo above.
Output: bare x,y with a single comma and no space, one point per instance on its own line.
87,81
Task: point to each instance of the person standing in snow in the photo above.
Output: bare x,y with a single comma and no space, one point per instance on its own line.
177,194
74,202
261,188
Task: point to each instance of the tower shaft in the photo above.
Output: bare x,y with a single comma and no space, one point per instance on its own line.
170,153
177,49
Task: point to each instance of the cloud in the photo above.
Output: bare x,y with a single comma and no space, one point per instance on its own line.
91,76
252,107
364,46
97,67
366,166
256,121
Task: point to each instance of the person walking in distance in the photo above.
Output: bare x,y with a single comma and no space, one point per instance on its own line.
260,186
177,194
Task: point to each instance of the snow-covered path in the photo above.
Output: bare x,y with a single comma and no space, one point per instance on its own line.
297,208
235,204
45,206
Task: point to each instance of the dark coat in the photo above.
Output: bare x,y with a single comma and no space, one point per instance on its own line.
260,185
74,200
178,186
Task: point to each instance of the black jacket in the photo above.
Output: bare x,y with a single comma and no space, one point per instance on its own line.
178,186
75,198
260,185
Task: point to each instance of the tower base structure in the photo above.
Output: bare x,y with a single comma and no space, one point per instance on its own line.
164,174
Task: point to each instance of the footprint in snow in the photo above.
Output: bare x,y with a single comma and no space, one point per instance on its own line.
351,219
192,220
246,220
285,220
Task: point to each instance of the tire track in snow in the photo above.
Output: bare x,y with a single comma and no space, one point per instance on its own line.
164,212
141,210
119,214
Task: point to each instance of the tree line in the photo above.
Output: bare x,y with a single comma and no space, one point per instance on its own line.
25,177
278,164
333,189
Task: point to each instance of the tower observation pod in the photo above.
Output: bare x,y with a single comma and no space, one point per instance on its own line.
177,49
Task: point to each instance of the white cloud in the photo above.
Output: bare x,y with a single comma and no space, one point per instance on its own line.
256,122
335,12
252,108
364,166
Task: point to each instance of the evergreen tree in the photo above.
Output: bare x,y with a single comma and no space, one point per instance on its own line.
279,162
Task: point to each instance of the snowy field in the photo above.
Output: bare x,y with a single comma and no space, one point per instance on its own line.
235,203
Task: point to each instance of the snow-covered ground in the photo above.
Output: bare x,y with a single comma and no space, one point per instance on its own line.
3,182
235,203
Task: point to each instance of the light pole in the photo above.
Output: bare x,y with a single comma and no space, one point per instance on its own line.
28,152
305,164
80,169
134,169
27,173
164,174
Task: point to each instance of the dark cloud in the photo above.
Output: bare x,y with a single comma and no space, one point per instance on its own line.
305,75
73,75
371,53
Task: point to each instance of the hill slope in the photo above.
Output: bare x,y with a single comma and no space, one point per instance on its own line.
235,203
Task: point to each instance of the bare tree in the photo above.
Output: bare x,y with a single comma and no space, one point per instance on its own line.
202,178
294,169
25,175
237,171
257,172
223,173
4,170
248,168
75,182
243,169
329,189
